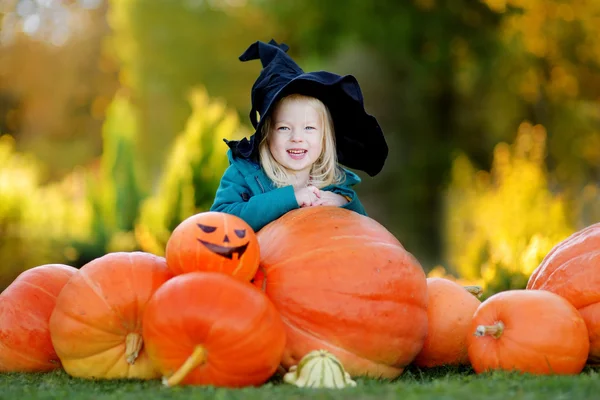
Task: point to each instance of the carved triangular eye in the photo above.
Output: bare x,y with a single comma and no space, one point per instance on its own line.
240,233
206,228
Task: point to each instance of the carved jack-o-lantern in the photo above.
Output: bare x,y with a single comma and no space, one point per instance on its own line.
214,241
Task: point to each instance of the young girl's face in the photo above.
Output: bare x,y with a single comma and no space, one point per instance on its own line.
296,137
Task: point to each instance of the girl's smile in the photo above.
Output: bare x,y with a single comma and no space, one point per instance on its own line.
297,154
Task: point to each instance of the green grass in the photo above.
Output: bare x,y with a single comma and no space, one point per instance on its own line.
438,384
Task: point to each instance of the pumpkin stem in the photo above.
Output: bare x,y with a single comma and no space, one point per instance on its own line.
492,330
133,346
197,358
476,291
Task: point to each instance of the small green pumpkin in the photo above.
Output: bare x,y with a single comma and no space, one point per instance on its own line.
319,369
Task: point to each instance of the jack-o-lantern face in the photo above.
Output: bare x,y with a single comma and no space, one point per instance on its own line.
226,249
214,241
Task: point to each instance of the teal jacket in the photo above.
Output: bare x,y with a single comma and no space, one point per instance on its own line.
247,192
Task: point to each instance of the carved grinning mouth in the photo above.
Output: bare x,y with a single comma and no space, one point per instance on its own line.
224,251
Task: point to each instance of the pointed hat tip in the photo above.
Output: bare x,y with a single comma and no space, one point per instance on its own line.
266,52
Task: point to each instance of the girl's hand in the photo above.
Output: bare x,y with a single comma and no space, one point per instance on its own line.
327,198
307,196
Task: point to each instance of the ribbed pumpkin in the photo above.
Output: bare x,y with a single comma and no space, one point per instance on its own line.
531,331
207,328
450,309
213,241
319,369
572,270
25,309
344,284
96,326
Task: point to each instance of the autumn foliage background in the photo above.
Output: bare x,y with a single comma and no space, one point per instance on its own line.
112,115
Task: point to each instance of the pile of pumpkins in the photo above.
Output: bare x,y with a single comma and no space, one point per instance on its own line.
229,307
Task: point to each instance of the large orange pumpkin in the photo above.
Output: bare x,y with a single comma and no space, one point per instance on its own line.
214,241
450,308
572,270
25,308
96,326
207,328
531,331
343,283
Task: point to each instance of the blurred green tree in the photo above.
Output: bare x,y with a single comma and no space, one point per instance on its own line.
114,191
192,172
166,47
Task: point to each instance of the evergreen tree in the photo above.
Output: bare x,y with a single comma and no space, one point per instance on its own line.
192,172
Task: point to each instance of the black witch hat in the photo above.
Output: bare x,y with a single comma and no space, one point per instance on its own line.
359,139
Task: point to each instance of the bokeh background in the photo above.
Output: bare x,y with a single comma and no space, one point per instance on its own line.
112,115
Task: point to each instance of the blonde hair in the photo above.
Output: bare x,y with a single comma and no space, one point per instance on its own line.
325,171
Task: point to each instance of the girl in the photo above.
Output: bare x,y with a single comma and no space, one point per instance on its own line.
295,161
298,167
